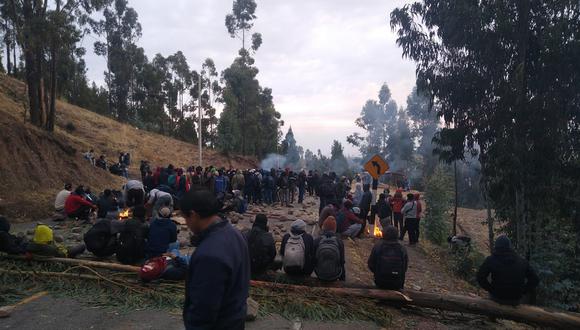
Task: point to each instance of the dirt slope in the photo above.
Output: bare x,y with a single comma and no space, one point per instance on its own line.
34,164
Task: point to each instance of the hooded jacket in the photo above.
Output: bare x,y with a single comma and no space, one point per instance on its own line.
162,232
308,250
511,276
9,243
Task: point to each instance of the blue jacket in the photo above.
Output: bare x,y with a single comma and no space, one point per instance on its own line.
218,280
162,232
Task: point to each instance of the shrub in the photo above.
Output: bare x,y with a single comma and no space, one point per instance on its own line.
439,199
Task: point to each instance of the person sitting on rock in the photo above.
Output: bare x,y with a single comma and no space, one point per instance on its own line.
512,277
389,261
60,200
9,243
349,224
107,205
132,237
99,240
329,255
76,207
101,162
297,250
43,245
162,234
261,246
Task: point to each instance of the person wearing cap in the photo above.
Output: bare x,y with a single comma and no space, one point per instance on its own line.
261,246
218,280
162,233
9,243
505,275
389,261
305,244
61,197
329,232
158,199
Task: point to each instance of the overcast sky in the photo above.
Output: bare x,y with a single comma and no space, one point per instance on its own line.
322,58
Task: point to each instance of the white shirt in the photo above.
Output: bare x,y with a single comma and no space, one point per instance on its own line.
155,194
409,211
61,199
134,184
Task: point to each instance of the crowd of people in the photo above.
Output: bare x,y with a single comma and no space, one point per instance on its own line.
120,168
225,260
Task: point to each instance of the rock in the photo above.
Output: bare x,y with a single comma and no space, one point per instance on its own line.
58,238
280,225
290,212
416,287
311,222
253,308
30,232
76,230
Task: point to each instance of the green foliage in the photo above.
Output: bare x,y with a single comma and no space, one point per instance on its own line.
464,262
439,198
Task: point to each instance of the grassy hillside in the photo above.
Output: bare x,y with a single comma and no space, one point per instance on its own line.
35,164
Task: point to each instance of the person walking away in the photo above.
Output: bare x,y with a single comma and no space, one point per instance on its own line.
132,238
218,280
76,207
159,199
329,257
162,234
292,186
384,211
61,198
397,203
9,243
326,192
411,221
365,207
99,240
261,246
297,250
238,181
134,193
302,181
43,245
310,183
389,261
283,185
269,187
511,276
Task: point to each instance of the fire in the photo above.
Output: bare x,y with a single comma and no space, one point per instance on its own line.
124,215
378,233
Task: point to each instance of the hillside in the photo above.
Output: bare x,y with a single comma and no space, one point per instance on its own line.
34,164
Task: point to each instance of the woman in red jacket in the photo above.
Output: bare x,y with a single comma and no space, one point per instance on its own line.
76,207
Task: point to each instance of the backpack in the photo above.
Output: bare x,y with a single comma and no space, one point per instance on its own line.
220,184
328,266
153,269
259,249
130,247
294,253
389,267
99,240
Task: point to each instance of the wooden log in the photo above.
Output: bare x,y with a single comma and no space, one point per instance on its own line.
522,313
88,263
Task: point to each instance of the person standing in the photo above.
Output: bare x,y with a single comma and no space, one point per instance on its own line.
218,280
301,186
397,203
409,212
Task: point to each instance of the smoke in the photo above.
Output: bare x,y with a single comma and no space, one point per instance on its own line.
273,161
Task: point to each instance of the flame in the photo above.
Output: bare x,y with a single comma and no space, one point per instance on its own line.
123,215
378,233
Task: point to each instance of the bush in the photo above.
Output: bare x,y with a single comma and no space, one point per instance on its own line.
70,127
464,262
439,199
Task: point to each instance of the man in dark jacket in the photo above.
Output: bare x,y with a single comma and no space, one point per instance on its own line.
298,232
99,240
218,280
511,276
162,233
389,261
261,246
9,243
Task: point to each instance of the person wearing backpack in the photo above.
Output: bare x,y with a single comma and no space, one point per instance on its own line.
261,246
297,250
132,237
99,240
411,220
389,261
329,258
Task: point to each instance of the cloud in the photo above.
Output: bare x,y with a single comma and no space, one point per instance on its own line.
323,59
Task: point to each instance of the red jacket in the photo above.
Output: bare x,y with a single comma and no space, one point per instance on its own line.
74,202
397,204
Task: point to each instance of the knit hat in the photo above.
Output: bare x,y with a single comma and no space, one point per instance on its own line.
329,224
42,235
299,225
503,243
165,212
391,233
4,225
356,210
261,221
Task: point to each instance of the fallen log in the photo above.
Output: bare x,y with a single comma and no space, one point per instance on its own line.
456,303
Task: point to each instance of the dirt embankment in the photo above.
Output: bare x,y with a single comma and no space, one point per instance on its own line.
34,164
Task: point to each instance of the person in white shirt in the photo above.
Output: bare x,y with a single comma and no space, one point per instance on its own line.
61,198
134,193
159,199
409,212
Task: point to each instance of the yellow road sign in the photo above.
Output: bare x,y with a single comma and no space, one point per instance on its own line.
377,166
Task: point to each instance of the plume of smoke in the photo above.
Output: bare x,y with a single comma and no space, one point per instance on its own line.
273,161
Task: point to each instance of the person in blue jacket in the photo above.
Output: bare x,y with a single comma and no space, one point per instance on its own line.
218,281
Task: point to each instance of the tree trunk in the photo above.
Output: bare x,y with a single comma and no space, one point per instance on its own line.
52,108
456,199
8,54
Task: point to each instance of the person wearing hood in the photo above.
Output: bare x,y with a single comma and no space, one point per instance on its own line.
9,243
358,194
349,222
329,253
389,261
43,245
297,250
505,275
261,246
162,233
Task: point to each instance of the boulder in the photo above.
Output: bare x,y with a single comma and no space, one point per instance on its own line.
58,239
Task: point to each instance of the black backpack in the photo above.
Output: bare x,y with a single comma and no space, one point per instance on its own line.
259,245
130,245
99,240
389,266
328,263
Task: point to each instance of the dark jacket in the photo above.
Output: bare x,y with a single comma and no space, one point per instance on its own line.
162,232
262,249
132,240
365,203
340,248
99,239
218,280
511,276
376,255
106,205
308,250
9,243
383,209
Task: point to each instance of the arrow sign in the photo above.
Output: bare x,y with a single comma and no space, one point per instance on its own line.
376,166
